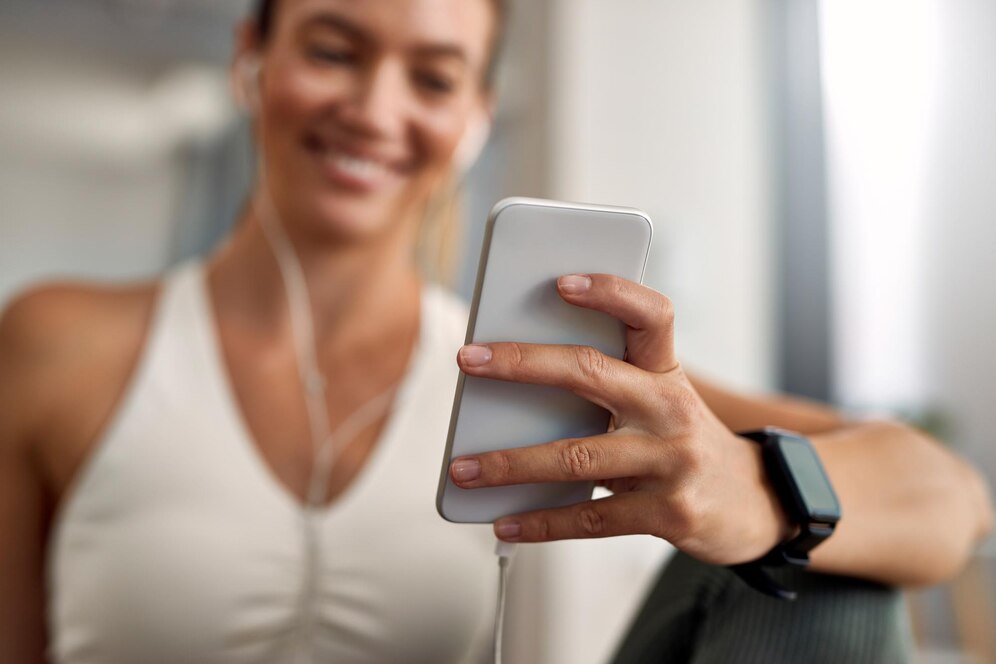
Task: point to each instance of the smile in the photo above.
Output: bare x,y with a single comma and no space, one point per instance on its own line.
364,169
360,172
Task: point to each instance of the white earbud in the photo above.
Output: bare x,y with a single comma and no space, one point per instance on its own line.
247,72
475,137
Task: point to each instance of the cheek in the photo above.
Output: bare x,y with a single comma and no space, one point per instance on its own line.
440,135
293,95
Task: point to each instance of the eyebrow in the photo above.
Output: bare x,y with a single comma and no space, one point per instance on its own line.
339,23
354,31
441,51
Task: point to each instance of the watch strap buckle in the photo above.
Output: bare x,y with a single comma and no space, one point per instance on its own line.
754,576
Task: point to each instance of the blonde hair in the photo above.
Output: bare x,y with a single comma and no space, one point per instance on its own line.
440,233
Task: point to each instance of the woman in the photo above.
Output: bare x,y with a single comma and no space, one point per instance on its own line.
159,443
183,410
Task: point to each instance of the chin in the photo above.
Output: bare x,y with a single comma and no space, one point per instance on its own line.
358,218
334,204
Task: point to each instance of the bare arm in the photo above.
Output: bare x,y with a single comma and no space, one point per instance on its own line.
913,510
53,340
23,505
741,412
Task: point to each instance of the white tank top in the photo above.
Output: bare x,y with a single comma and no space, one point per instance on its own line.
177,544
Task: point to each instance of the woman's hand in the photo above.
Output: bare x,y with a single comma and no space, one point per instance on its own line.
675,470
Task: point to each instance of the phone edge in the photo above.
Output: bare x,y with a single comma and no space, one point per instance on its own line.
496,210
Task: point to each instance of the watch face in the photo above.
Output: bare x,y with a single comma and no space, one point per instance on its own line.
810,478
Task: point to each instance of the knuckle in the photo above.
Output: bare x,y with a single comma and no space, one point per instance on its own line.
516,355
617,285
501,465
591,363
577,459
684,514
661,390
679,404
665,310
663,525
542,528
691,460
591,521
686,408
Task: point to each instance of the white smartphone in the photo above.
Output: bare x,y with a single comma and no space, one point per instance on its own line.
528,243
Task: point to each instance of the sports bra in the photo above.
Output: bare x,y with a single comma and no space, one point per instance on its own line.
177,544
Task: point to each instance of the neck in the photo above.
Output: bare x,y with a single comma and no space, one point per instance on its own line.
361,293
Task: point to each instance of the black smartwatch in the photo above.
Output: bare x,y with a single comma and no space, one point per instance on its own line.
805,493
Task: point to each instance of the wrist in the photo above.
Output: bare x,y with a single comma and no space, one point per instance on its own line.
798,483
771,522
802,487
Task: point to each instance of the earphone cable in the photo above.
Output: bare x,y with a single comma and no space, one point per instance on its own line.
505,551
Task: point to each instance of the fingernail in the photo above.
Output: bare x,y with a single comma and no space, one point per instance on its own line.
465,470
474,355
508,529
573,284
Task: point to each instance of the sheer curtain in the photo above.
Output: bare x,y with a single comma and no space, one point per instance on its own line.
879,78
910,107
910,102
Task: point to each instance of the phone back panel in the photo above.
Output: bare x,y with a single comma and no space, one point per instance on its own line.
528,243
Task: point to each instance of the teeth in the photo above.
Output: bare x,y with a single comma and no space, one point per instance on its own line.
364,169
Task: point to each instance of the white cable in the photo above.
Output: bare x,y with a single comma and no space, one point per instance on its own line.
326,442
302,333
346,432
505,552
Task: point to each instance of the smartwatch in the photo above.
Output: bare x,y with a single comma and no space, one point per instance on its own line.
805,493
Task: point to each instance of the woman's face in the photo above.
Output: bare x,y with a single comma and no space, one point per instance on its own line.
361,104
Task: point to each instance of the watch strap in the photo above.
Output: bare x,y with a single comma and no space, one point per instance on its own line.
754,575
794,551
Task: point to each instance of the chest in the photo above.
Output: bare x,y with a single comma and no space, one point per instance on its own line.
271,406
228,570
197,554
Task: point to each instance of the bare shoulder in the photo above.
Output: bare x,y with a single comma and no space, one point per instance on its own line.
65,342
65,354
62,321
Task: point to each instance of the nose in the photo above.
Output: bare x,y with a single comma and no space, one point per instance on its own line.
380,102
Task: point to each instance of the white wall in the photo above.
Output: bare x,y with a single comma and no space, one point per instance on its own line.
658,104
880,89
96,155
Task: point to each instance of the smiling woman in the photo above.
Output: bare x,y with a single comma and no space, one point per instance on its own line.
365,103
187,524
236,462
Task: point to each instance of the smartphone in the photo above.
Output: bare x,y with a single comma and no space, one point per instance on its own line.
528,244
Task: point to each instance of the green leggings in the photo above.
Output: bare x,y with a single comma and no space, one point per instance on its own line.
700,614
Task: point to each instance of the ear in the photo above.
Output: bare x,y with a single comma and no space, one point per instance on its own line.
475,137
244,68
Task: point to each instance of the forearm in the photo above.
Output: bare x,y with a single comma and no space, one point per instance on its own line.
741,412
912,511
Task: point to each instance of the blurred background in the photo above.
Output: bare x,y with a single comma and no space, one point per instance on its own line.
821,174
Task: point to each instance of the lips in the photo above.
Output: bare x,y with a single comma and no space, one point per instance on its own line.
357,167
352,168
